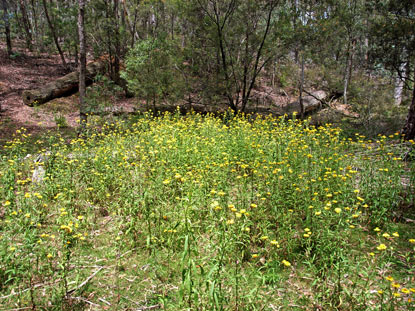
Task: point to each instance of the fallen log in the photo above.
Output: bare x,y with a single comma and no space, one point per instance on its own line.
64,86
312,103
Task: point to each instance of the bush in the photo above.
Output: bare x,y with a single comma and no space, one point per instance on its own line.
153,71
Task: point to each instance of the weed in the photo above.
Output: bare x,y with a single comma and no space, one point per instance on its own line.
191,213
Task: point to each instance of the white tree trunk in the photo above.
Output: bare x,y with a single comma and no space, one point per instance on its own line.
399,83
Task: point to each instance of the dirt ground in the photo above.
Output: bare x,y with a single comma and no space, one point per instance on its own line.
27,70
24,71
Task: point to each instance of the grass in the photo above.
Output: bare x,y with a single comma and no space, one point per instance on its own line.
203,213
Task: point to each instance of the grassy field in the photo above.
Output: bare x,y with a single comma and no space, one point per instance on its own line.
204,213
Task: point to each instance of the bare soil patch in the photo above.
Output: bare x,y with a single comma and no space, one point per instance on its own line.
27,70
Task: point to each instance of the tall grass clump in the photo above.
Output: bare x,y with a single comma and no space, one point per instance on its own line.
196,212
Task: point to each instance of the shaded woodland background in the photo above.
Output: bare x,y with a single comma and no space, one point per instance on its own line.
243,55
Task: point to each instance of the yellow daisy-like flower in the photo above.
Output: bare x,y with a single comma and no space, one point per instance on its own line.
66,228
395,285
338,210
286,263
381,247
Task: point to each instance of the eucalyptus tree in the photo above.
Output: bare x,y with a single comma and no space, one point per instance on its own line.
6,22
26,23
393,32
238,39
54,33
82,64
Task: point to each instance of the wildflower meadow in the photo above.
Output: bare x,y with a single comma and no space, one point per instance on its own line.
193,212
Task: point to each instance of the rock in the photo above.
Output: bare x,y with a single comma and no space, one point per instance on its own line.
38,175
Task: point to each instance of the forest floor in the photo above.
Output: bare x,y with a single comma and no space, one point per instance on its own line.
30,70
26,71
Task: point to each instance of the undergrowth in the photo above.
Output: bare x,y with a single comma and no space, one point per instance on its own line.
203,213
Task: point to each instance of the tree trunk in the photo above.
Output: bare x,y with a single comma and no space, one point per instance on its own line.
399,83
7,27
55,38
26,24
409,129
63,86
301,88
346,73
35,24
82,64
117,54
133,31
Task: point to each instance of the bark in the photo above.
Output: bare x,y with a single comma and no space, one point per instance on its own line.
409,129
347,72
399,84
301,88
26,24
258,68
117,55
7,27
64,86
35,25
54,35
82,64
133,31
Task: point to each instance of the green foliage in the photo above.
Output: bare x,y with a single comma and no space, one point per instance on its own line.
190,213
152,70
101,95
60,121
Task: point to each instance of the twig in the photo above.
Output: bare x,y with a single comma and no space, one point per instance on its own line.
27,289
104,301
129,251
87,301
148,308
84,282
